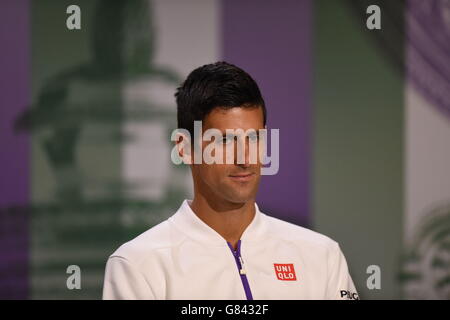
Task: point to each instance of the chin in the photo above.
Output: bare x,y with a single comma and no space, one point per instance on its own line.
240,198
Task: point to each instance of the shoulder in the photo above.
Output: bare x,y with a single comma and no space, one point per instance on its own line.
147,244
300,236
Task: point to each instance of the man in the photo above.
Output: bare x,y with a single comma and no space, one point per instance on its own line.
220,245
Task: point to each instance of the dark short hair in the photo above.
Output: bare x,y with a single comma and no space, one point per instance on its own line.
216,85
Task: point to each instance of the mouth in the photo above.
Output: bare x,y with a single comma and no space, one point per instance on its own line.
242,177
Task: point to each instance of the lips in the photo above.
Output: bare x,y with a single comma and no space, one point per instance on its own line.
242,177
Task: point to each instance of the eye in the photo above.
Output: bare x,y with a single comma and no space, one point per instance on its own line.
227,139
253,137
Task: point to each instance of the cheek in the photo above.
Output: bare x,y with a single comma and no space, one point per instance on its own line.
213,173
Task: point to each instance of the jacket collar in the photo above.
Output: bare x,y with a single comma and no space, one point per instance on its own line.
190,224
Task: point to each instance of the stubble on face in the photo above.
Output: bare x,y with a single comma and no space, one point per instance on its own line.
230,183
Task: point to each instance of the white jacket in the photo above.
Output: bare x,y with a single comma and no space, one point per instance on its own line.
184,258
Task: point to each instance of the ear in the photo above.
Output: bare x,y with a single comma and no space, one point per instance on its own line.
183,144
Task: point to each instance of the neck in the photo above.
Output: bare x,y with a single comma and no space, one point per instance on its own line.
228,219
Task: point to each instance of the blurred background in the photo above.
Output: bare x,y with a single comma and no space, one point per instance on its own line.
86,117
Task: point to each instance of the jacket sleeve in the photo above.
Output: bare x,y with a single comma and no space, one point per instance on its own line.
340,284
124,282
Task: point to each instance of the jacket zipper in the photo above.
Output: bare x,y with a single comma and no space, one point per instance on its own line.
241,269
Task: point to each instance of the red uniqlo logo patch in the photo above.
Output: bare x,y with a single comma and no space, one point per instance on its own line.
285,271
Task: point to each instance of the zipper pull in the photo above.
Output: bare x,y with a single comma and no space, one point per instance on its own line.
242,271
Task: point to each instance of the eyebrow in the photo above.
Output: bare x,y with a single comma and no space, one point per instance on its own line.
224,134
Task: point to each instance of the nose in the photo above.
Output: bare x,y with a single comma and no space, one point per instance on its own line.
242,152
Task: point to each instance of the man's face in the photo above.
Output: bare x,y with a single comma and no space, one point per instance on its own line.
235,183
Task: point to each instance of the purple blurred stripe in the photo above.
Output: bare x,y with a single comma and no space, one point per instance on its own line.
273,42
428,51
14,156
